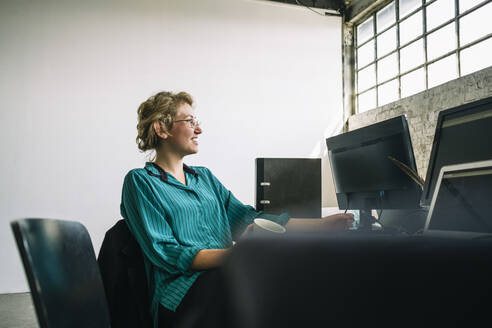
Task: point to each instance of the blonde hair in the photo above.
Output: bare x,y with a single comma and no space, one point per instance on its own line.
163,107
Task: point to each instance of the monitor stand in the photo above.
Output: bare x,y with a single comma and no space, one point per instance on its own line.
366,220
395,221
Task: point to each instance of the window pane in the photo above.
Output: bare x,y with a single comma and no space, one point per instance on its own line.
387,68
413,83
441,41
388,92
412,55
467,4
439,12
367,100
365,31
366,78
476,57
411,27
407,6
476,24
365,54
442,71
385,17
386,42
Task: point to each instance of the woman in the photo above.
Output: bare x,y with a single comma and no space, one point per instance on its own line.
183,218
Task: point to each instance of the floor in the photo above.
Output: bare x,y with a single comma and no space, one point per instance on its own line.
17,311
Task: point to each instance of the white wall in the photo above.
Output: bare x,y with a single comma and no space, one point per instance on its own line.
266,79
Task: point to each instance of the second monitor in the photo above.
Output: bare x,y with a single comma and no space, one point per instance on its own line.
365,174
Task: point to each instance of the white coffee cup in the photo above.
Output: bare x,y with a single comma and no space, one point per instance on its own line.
266,226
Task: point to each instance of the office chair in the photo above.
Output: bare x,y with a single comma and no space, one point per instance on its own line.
62,272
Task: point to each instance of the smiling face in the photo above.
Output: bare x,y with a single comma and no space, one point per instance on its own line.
182,138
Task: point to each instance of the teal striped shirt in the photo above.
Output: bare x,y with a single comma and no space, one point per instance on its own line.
172,222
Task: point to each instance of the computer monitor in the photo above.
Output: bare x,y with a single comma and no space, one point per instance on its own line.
463,134
461,204
365,177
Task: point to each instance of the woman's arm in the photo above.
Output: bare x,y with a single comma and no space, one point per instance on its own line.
298,224
240,216
211,258
208,258
336,222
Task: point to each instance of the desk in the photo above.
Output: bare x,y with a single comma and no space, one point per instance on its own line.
348,280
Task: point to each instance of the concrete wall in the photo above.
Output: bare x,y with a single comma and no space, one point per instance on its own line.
17,311
266,78
422,110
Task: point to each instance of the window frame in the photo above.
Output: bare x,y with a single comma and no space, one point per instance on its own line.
425,33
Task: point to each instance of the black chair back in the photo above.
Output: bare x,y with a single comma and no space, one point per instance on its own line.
62,272
122,267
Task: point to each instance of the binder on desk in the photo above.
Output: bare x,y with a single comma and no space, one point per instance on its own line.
290,185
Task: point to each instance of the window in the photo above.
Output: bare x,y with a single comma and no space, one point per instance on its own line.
411,45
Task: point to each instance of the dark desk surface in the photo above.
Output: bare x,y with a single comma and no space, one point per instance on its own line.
339,279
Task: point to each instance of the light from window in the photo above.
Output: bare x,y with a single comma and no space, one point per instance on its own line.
441,41
442,71
386,42
412,55
476,24
385,17
365,31
476,57
411,28
407,6
367,100
413,82
366,78
411,45
468,4
365,54
439,12
388,92
387,68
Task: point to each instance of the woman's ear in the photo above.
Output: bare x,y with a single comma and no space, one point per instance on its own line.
158,130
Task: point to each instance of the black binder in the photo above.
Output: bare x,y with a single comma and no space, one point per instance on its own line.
290,185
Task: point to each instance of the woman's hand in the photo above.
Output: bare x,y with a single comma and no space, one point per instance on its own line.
248,230
337,222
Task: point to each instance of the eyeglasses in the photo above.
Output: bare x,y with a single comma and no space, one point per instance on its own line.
193,122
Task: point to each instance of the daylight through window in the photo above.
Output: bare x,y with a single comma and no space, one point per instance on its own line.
411,45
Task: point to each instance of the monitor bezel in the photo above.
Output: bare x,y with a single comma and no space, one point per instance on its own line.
472,166
405,131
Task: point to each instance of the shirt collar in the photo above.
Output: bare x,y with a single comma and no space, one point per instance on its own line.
156,171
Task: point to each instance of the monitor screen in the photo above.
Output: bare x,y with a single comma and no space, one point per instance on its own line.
462,135
463,202
364,175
